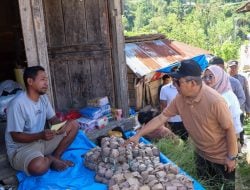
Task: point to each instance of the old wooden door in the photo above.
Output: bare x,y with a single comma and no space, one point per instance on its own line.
79,48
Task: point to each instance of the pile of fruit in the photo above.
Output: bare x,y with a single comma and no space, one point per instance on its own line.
133,168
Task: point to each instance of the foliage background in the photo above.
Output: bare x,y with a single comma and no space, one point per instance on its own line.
213,25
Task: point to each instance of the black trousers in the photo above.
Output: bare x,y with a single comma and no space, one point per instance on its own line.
179,129
215,174
242,117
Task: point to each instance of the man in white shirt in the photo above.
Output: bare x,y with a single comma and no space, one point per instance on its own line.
167,94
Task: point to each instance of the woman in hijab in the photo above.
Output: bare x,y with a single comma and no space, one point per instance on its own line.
218,79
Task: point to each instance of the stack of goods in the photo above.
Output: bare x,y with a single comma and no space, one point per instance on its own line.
95,114
103,104
124,167
86,124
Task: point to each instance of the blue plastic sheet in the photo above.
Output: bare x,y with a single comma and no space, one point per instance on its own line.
201,60
77,177
164,159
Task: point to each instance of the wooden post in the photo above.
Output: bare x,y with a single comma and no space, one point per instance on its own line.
118,55
33,26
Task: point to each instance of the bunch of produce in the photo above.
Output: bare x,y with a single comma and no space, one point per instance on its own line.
138,168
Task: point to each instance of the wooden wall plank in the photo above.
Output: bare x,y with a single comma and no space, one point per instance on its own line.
39,25
104,27
103,85
118,55
54,23
75,21
32,19
61,84
81,82
93,21
29,36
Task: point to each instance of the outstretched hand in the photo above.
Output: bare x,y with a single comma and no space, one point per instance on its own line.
132,140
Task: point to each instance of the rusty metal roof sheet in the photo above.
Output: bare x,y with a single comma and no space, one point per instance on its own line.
148,56
244,8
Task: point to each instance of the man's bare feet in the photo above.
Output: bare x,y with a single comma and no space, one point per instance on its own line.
69,163
60,165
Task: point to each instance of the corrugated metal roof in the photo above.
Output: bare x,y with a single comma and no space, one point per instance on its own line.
148,56
244,8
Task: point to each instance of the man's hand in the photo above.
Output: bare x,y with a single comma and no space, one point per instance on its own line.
247,114
230,165
48,134
62,129
134,140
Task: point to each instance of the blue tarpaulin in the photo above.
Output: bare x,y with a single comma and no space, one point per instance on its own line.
164,159
77,177
201,60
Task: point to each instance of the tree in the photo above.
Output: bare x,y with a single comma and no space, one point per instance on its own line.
212,25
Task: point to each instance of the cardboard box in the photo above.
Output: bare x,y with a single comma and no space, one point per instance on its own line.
98,102
86,124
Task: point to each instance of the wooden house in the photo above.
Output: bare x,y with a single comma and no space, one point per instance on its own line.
80,44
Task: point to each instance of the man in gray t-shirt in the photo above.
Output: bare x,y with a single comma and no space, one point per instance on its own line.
30,147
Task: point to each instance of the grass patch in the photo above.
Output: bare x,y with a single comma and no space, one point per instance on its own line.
243,173
182,154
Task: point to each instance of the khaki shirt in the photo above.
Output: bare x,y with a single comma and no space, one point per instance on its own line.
205,117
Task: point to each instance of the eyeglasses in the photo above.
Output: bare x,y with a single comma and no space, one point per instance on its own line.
208,77
178,82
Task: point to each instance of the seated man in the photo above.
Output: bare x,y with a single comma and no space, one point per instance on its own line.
30,146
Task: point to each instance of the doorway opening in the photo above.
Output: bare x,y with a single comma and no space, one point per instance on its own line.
12,51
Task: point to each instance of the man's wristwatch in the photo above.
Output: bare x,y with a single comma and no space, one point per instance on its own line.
232,157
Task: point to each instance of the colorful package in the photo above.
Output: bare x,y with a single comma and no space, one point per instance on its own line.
86,124
98,102
91,112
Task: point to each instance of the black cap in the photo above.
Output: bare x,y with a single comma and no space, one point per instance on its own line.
216,61
187,68
232,63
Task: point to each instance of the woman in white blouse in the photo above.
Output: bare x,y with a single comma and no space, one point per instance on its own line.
218,79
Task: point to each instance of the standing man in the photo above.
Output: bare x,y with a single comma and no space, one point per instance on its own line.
167,94
207,119
166,79
233,70
30,147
